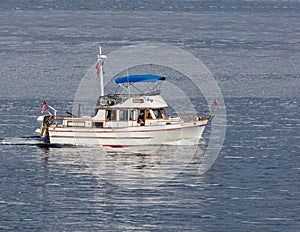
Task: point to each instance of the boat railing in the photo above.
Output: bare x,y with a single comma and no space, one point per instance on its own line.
195,117
113,99
189,117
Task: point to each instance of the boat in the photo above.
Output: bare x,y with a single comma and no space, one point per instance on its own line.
124,118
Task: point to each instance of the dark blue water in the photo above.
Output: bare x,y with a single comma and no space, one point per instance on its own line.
252,49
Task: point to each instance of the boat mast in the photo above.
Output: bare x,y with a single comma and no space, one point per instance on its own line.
100,71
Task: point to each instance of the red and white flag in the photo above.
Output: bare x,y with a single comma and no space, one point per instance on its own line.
216,103
44,107
98,69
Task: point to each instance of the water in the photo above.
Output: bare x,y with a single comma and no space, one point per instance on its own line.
252,49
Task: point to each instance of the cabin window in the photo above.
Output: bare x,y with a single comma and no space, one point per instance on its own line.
132,115
141,114
149,114
162,112
158,113
75,124
123,115
111,115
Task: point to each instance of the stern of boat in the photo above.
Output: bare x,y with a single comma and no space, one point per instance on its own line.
45,121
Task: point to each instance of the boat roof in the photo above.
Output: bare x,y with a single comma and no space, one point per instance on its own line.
139,78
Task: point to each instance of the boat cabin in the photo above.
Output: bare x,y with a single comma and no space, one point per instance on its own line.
121,110
119,118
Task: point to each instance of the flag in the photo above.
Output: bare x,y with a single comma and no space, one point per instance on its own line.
216,103
98,69
44,107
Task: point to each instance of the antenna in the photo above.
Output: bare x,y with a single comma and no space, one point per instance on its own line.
100,73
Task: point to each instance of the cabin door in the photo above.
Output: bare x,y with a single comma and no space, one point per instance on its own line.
141,117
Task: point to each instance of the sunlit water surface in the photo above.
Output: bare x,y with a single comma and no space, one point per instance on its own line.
251,48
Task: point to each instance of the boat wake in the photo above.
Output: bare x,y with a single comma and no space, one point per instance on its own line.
21,141
185,142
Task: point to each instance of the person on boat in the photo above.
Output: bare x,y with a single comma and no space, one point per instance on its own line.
141,119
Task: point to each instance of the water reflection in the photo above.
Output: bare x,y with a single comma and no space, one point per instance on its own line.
131,167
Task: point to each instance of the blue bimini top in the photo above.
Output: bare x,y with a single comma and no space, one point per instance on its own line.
139,78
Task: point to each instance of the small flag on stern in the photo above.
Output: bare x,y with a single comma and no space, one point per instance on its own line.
44,107
216,103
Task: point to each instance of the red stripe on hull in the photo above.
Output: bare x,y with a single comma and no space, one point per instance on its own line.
116,131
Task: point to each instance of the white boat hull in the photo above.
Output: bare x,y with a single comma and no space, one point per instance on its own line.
129,136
